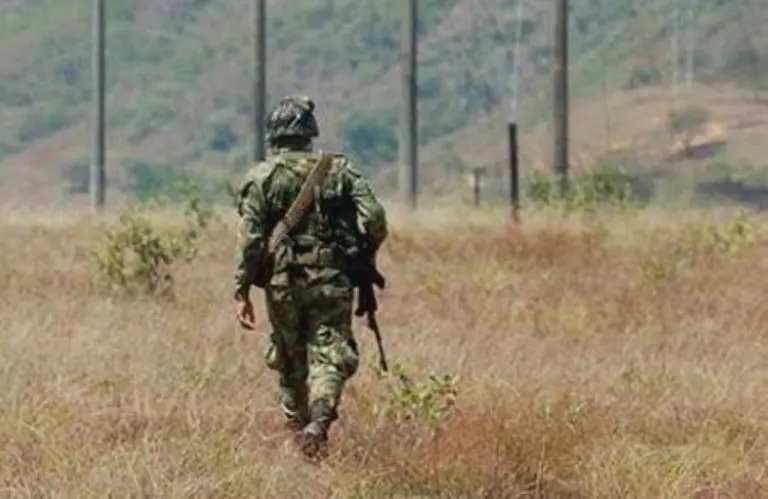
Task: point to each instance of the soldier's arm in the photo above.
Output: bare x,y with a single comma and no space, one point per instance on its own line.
371,216
251,235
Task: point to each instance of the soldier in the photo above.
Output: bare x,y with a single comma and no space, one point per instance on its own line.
308,288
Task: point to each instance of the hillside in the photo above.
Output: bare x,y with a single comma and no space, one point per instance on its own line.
179,91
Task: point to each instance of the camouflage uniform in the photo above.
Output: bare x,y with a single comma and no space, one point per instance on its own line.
309,292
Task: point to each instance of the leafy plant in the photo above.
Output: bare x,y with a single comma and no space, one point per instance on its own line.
425,405
705,241
137,257
541,189
604,185
148,180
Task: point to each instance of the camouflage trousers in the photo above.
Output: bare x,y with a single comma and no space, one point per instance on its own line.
312,347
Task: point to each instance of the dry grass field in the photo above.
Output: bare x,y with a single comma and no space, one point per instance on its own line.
599,356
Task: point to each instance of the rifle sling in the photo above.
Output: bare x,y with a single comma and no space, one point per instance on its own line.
300,204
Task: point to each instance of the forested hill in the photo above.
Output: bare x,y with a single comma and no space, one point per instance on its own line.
178,79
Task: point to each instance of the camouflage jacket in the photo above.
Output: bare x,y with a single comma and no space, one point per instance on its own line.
346,211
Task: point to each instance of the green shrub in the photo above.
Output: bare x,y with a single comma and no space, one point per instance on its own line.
146,179
137,257
371,136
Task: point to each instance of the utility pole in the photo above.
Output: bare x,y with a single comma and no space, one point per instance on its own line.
514,154
675,45
516,63
560,101
690,43
97,180
260,79
408,173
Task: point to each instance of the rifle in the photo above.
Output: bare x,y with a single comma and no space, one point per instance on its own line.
366,275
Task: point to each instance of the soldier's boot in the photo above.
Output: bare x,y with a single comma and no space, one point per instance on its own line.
313,438
294,420
313,441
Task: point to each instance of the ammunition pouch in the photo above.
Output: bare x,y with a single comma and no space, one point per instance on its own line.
264,272
263,269
317,256
290,256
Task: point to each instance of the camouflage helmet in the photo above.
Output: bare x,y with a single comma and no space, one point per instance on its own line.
292,117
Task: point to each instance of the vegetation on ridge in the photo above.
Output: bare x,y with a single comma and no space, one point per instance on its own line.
178,76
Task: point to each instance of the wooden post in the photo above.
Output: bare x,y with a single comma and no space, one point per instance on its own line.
514,172
475,180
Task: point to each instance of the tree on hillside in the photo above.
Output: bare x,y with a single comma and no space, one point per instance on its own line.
371,136
686,123
748,67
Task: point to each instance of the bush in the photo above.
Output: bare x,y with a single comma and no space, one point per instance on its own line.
148,180
423,406
221,137
371,136
541,189
39,125
149,119
77,173
136,257
643,77
686,123
604,185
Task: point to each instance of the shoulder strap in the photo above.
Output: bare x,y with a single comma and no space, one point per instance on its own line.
302,202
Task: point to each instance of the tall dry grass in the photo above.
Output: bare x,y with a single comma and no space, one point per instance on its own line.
600,357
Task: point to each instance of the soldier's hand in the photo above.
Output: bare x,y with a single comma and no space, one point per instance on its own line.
245,315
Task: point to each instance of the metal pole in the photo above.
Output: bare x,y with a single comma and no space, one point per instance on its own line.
675,62
514,171
691,42
560,101
408,171
516,60
97,181
260,79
